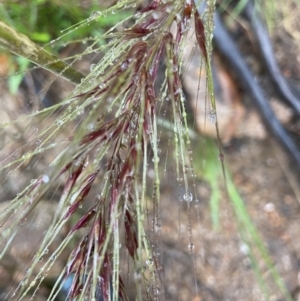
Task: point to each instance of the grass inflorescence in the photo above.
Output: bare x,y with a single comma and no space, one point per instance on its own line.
97,156
102,165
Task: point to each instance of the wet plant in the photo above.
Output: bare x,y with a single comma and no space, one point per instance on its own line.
97,154
102,165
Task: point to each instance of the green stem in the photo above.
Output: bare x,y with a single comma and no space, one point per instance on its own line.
19,44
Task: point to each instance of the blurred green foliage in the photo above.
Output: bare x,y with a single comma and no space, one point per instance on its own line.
45,20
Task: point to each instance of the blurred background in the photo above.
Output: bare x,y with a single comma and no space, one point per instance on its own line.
228,256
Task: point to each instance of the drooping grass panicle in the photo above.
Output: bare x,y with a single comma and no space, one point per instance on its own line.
101,167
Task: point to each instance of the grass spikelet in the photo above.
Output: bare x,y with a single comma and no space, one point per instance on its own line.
111,119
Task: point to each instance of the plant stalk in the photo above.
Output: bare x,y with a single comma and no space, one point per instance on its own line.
19,44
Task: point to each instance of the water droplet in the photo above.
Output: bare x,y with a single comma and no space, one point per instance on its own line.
45,179
157,227
90,126
92,67
155,15
137,15
269,207
149,262
212,116
124,66
191,246
244,248
59,122
137,275
95,14
155,159
188,197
